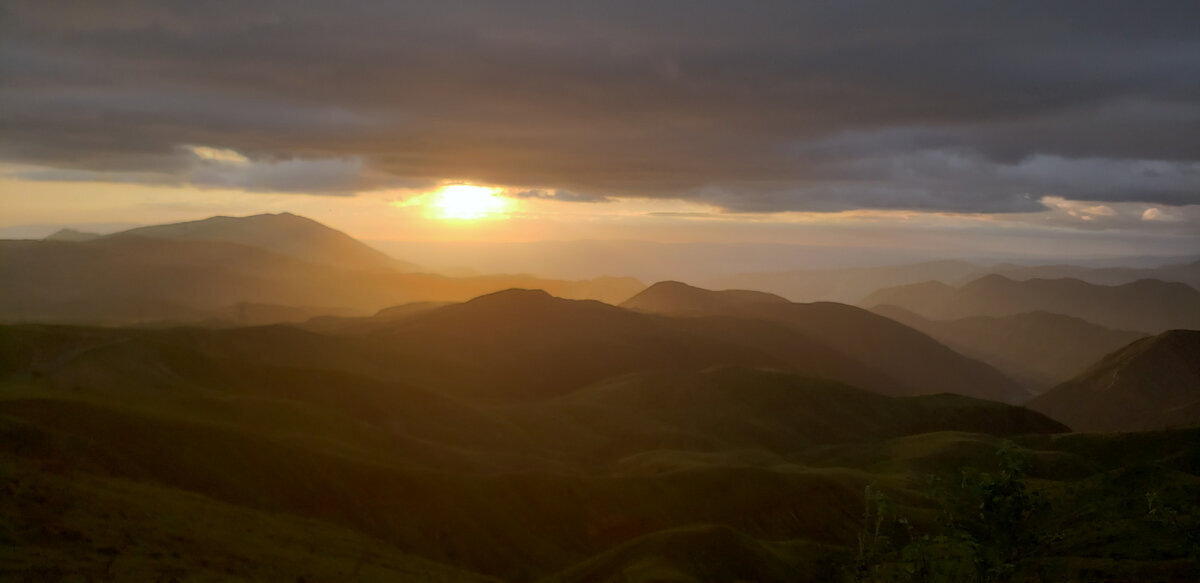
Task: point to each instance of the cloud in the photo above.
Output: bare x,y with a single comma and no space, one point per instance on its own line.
1115,217
217,154
559,195
943,106
224,168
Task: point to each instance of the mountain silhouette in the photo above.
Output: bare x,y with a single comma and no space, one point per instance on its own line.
1146,305
680,299
1150,384
916,363
283,233
71,236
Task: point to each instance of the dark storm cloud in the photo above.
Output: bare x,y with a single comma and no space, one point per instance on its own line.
963,106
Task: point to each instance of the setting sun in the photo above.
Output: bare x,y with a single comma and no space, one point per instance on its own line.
468,202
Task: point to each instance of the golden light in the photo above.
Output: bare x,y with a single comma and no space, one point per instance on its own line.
468,202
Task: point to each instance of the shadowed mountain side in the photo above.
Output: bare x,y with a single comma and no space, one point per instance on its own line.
1150,384
88,527
732,409
241,373
528,344
282,233
232,372
366,324
127,279
1146,305
517,524
1038,348
915,362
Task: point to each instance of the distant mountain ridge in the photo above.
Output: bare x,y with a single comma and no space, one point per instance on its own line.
1152,383
1187,272
1146,305
283,233
71,235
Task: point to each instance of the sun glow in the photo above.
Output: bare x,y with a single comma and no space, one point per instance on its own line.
468,202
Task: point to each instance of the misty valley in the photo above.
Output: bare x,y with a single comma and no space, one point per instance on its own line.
265,398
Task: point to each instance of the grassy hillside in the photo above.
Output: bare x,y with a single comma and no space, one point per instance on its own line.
62,525
266,454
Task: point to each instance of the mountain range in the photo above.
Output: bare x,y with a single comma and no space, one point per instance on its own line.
409,426
853,285
1147,305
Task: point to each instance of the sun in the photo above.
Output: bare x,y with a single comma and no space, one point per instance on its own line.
466,202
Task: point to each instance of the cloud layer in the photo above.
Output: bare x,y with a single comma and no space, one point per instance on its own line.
951,106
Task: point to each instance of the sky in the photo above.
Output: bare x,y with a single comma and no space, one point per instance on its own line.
955,126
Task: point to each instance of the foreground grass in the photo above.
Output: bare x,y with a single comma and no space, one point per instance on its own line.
78,527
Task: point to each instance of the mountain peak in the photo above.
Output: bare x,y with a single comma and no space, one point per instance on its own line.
674,297
515,296
72,236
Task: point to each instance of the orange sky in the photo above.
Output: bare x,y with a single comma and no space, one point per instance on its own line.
411,215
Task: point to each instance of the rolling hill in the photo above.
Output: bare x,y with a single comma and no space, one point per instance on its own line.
1147,305
1150,384
277,453
740,409
916,363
